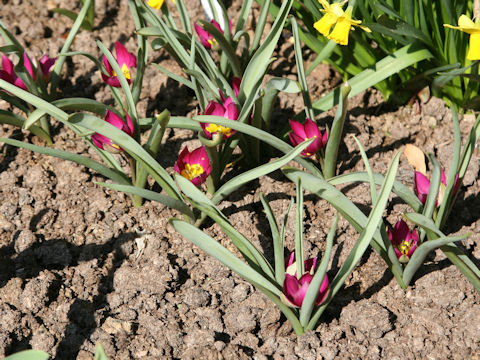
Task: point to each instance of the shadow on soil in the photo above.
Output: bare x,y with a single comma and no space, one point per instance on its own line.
57,254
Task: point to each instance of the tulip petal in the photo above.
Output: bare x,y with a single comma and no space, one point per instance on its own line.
124,56
298,129
311,129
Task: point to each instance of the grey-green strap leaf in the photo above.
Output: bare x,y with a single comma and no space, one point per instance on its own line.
215,249
151,195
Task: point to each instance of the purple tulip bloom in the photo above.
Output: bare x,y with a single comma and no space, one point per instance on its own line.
194,166
206,38
235,86
46,65
404,241
422,187
308,130
227,110
294,289
125,60
8,73
107,144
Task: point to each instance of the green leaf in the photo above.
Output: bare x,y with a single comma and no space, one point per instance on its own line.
7,117
423,250
366,235
100,353
371,180
260,61
307,101
277,241
131,146
113,174
258,134
398,188
314,288
215,249
299,255
424,222
76,104
151,195
177,78
335,135
28,355
57,68
73,16
243,16
257,172
389,65
226,47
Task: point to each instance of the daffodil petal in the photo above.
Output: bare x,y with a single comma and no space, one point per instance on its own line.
341,31
474,47
325,23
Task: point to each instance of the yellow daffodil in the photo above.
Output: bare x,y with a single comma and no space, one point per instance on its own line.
467,25
334,15
156,4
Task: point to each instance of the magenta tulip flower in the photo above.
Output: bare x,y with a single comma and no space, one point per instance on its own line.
46,65
294,289
194,166
422,186
308,130
404,241
227,110
235,86
107,144
125,60
206,38
8,73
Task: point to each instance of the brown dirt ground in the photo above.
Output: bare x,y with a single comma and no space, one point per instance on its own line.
72,275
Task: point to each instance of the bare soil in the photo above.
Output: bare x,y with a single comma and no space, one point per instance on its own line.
73,272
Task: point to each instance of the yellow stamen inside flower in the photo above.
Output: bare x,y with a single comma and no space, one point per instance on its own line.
214,128
191,171
125,71
213,43
404,247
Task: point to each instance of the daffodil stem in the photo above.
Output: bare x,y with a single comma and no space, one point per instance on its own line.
476,9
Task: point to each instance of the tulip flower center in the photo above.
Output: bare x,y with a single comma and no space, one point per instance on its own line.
404,247
191,171
212,42
214,128
125,71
